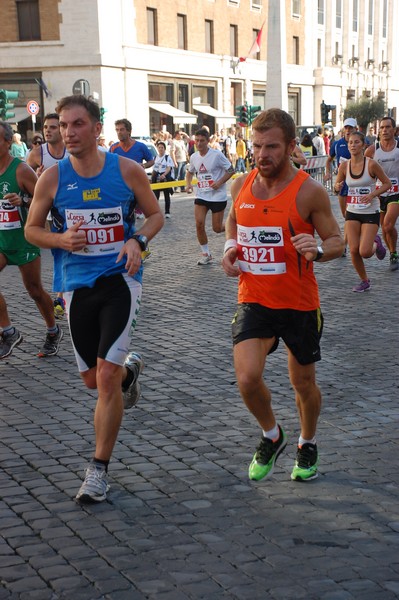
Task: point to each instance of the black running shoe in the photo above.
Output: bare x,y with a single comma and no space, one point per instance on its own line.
8,342
51,344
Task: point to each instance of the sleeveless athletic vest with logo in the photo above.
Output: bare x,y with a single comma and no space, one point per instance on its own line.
48,160
273,273
12,218
358,187
389,161
106,205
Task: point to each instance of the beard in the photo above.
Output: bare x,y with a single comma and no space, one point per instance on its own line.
271,169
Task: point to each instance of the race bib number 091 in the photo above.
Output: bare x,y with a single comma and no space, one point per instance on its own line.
103,228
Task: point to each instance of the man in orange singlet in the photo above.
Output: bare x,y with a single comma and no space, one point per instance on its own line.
271,248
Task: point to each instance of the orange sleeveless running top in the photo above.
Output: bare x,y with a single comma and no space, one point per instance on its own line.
273,273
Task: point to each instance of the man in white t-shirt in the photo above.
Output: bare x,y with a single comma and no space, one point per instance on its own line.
213,170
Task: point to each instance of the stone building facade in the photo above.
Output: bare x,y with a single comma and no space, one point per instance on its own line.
174,63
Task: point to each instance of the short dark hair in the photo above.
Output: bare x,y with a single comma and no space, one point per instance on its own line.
51,116
307,140
126,123
276,117
389,119
79,100
203,132
8,131
160,143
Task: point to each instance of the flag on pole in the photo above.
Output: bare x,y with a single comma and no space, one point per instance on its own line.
255,48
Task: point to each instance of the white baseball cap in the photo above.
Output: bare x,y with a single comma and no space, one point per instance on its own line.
350,122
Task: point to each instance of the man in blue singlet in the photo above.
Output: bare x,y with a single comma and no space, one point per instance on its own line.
93,195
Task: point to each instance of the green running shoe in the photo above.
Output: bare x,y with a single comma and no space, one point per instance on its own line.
265,457
305,467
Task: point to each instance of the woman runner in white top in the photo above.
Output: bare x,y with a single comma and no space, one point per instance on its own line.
362,206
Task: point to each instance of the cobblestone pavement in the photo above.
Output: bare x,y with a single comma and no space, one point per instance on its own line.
183,521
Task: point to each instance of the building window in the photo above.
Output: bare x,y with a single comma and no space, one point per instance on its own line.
318,52
209,45
233,40
182,32
233,2
355,15
320,12
384,18
293,106
255,33
371,16
296,8
295,50
28,20
152,30
338,14
256,5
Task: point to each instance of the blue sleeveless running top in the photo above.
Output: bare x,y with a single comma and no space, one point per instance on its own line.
106,204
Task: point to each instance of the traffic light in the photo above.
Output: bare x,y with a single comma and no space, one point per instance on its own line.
238,112
102,114
325,110
244,116
253,113
6,106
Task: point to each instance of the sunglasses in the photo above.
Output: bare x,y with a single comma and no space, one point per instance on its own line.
37,143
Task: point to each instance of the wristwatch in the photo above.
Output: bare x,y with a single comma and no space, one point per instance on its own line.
320,253
141,240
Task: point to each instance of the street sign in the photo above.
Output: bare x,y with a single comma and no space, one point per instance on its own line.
32,107
81,87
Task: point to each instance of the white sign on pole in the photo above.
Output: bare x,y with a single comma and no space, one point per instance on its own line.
32,107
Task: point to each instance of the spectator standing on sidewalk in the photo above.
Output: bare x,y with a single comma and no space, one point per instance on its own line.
241,149
271,247
318,142
162,173
17,183
18,147
213,171
178,153
94,194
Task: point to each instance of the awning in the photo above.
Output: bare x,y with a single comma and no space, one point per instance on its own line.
20,115
179,116
212,112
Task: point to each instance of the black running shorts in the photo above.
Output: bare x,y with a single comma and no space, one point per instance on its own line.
215,207
102,319
300,330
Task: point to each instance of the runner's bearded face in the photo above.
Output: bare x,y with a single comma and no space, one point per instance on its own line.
271,152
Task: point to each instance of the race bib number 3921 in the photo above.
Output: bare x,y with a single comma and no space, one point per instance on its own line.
103,228
261,250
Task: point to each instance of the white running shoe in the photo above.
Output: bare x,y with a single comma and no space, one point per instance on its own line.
205,259
135,364
95,486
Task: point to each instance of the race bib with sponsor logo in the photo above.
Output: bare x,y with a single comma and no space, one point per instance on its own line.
103,228
205,181
10,217
394,189
356,195
261,250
